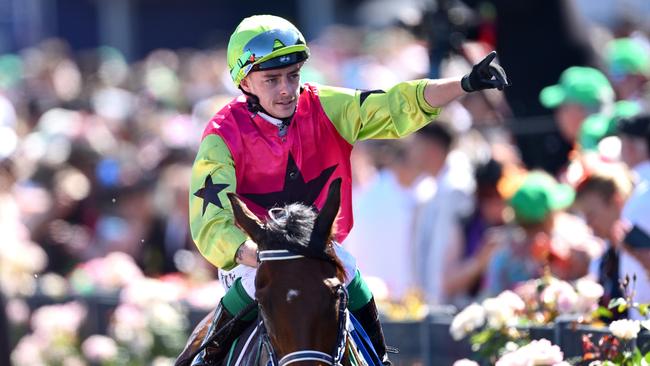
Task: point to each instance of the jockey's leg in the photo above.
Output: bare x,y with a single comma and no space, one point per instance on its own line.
240,294
362,304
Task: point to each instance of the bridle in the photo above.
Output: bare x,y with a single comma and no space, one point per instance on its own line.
336,356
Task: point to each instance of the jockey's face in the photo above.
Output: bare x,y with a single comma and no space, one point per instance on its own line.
276,89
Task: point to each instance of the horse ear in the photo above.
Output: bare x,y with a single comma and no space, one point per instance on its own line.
327,215
246,219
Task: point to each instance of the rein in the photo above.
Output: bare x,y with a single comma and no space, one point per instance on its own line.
336,357
225,328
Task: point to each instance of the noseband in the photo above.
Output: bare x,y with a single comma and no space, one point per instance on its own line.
336,357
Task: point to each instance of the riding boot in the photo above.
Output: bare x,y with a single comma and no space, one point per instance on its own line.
369,319
216,351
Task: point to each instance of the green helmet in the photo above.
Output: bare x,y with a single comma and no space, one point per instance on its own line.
263,42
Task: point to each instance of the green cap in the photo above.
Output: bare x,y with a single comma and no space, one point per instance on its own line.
627,56
538,196
598,126
580,85
11,70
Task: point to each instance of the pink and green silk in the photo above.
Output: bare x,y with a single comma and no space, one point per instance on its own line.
242,152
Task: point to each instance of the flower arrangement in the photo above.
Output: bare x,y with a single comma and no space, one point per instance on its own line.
537,352
491,324
105,274
547,298
139,333
619,348
20,262
494,327
54,339
149,326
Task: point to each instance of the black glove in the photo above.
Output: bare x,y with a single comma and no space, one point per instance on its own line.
485,76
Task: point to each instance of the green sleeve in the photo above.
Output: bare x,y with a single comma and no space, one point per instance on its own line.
395,113
211,218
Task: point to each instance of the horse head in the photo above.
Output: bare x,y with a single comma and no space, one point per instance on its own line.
299,279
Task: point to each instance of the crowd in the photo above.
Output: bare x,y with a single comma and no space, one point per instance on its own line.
95,158
479,222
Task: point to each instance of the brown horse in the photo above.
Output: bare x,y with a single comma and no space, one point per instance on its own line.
300,292
299,281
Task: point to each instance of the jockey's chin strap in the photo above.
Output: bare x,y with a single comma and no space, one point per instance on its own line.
341,338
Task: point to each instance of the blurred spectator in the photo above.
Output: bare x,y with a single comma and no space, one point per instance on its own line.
635,145
382,236
598,126
439,233
600,198
547,238
167,246
581,92
480,234
635,150
554,37
628,67
7,114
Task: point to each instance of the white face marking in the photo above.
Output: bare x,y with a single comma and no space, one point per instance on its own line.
331,282
291,294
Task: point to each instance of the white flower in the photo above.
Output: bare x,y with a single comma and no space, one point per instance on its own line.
99,348
206,296
55,320
144,291
128,323
129,327
164,315
162,361
511,346
465,362
471,318
53,285
513,359
538,352
29,351
17,311
73,361
589,292
589,289
561,295
625,328
512,300
122,270
20,260
502,310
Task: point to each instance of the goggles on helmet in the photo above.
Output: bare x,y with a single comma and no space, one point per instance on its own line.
271,49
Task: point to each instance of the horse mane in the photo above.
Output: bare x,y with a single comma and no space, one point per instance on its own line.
290,227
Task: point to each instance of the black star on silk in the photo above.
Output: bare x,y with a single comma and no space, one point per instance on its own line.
295,188
210,193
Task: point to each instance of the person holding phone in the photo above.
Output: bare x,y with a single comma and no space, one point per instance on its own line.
600,198
634,133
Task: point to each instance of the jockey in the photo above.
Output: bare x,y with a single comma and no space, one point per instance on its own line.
283,142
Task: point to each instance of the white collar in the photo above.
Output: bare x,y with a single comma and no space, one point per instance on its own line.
274,121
